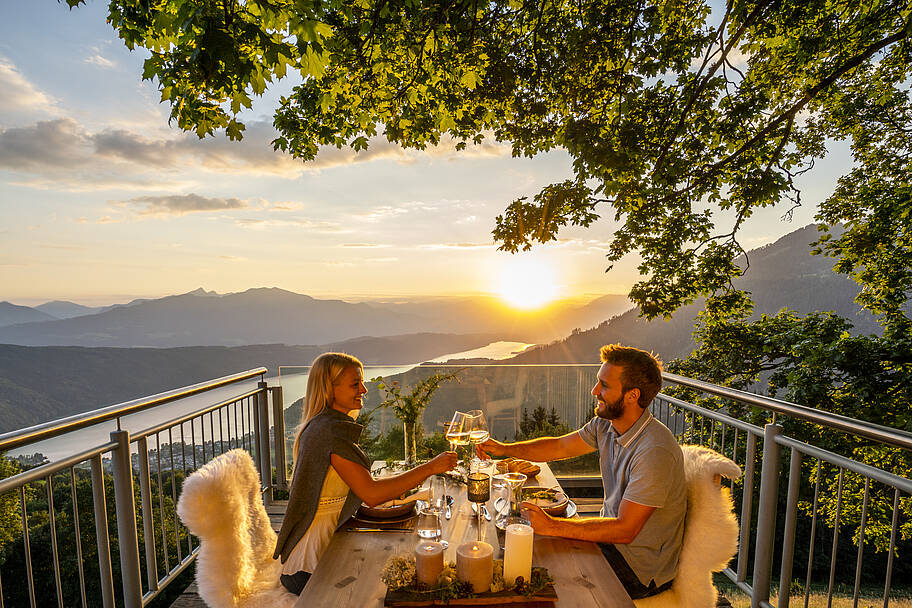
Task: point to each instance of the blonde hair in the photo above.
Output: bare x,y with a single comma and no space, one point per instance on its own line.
324,371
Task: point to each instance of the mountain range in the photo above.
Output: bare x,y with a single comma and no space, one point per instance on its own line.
272,315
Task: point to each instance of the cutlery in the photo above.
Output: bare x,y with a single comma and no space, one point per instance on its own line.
484,510
358,529
447,513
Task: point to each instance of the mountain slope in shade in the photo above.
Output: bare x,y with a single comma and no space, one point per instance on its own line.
44,383
268,315
11,314
782,274
61,309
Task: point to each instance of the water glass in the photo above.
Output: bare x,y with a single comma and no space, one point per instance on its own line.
428,527
437,491
502,524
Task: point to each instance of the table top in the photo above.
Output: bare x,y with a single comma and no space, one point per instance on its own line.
349,570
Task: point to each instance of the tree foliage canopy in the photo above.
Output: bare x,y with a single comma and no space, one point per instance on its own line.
680,126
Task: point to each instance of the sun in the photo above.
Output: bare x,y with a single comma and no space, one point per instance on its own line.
527,282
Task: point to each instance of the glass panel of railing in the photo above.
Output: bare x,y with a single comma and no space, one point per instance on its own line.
519,402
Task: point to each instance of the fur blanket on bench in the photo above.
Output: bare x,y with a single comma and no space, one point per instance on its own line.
221,504
710,532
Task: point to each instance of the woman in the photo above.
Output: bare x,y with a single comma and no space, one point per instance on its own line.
331,473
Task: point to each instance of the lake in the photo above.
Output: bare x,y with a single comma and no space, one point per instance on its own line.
292,381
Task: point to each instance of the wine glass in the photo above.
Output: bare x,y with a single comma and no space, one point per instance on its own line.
477,426
456,432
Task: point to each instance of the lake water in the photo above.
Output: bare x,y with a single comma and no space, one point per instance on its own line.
292,380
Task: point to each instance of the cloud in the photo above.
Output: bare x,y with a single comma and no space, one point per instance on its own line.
364,245
63,154
181,204
456,246
382,212
53,144
18,94
306,223
100,61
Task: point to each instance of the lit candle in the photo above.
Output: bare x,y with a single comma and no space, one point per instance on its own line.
518,553
428,562
475,564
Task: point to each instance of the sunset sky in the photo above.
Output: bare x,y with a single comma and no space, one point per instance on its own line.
101,201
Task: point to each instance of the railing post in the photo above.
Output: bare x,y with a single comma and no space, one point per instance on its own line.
102,542
265,461
788,536
766,516
278,420
145,495
126,520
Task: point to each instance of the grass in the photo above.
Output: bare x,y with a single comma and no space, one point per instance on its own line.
869,597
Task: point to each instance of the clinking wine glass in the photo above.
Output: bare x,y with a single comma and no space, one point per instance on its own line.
477,426
456,432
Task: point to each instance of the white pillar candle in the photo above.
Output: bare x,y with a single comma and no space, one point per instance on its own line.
518,553
475,564
428,562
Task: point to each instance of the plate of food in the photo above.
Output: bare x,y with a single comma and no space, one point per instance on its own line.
551,500
517,465
386,512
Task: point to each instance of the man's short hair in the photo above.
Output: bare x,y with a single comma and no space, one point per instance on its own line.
640,370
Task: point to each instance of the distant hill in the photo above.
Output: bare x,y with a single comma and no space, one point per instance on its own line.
270,315
11,314
61,309
781,274
44,383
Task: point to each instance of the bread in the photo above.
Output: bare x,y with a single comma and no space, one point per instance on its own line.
517,465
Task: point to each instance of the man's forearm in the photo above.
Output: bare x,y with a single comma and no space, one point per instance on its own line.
592,529
542,449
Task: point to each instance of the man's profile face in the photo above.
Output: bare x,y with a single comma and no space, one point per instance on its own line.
608,392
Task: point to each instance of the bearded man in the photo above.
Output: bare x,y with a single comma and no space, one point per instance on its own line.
641,525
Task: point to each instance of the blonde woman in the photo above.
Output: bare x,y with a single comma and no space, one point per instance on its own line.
331,473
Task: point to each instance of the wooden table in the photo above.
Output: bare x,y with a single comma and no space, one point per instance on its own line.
349,571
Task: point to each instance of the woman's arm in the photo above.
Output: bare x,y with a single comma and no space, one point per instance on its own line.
375,491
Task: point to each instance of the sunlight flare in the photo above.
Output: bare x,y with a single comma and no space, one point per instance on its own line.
527,282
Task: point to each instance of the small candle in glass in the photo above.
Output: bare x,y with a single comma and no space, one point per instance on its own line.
428,562
475,564
479,487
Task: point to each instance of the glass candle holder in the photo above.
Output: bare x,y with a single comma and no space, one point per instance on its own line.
479,487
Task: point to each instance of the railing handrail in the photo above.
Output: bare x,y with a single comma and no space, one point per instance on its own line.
46,430
861,428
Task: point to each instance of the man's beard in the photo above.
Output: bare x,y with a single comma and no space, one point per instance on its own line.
610,411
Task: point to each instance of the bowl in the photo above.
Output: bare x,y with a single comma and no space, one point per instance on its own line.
551,500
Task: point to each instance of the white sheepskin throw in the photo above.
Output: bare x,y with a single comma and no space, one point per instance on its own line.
710,532
220,503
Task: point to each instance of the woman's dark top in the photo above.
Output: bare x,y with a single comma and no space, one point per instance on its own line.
329,432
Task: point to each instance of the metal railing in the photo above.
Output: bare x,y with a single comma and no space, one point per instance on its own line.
152,547
762,526
156,459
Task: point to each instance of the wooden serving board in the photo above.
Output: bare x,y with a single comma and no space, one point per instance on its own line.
545,598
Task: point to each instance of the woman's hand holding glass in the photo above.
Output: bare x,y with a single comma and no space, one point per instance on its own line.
441,463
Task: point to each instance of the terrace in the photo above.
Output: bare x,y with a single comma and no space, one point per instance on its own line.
822,512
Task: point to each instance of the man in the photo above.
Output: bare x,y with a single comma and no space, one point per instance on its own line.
641,526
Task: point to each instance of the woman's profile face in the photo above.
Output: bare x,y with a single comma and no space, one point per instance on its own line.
348,389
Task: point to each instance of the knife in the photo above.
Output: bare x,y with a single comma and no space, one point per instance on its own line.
359,529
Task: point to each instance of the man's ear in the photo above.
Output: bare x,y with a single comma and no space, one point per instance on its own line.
632,396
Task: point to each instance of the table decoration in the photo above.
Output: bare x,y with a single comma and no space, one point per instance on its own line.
428,562
518,551
403,588
475,564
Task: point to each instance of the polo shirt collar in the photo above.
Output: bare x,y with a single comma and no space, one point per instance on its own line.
634,431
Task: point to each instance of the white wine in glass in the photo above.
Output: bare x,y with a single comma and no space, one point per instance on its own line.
477,426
